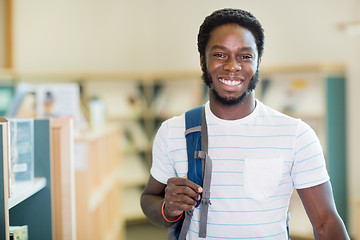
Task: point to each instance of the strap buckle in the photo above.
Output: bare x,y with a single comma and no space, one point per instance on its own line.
205,201
200,154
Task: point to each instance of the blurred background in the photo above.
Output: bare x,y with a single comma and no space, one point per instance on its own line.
119,68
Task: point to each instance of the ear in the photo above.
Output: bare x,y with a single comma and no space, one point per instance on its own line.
259,62
202,61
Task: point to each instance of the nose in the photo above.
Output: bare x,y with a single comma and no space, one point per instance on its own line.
232,65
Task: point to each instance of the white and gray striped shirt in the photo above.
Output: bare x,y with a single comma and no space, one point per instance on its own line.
257,162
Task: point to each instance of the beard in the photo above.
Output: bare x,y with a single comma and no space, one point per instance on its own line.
230,101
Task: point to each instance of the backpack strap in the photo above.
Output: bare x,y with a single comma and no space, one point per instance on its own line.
207,171
198,171
193,143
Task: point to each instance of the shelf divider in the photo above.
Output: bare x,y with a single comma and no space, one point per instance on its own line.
27,190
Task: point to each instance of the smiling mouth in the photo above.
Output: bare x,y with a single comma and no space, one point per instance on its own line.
231,82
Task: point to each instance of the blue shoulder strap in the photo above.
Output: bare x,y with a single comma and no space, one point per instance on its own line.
193,143
199,168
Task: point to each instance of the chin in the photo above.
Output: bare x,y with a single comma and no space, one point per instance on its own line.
229,101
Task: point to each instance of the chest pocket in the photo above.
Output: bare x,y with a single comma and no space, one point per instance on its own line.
262,177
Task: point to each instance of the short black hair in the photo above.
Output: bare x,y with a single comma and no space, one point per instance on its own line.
230,15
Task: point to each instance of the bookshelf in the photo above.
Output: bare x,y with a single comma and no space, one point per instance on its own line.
30,205
98,186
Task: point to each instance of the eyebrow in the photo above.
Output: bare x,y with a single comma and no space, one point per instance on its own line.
225,48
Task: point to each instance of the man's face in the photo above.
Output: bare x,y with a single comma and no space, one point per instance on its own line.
231,60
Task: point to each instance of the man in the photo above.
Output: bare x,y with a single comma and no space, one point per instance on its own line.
259,155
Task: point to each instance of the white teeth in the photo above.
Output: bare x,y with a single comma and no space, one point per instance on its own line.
230,82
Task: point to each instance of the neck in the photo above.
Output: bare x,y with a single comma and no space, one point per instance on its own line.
233,112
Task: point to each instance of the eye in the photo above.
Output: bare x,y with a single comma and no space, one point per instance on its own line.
246,57
219,55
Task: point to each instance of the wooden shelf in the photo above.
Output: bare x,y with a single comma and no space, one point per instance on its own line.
99,189
26,190
98,196
63,178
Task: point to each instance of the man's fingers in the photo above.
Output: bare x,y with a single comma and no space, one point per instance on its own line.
181,199
176,189
181,194
184,190
185,182
176,208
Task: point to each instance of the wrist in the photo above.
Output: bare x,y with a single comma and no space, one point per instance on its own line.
172,219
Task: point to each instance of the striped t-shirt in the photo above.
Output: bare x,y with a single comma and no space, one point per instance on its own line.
257,162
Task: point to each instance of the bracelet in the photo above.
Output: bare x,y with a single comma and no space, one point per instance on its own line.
162,211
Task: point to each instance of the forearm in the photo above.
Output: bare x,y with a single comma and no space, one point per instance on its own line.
333,229
320,207
151,206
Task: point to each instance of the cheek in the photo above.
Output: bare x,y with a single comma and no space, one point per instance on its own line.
249,69
214,67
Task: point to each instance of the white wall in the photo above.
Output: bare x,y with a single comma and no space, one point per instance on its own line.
142,35
120,35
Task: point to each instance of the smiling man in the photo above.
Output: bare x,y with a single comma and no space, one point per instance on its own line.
258,155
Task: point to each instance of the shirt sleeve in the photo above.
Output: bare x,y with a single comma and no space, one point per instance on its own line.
309,168
162,167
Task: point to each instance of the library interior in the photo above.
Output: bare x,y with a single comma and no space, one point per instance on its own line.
85,85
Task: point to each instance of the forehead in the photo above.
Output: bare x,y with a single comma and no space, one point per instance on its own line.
232,35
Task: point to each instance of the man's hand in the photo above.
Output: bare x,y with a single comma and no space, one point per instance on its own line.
181,195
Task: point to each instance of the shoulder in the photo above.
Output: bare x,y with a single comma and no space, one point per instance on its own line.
173,125
271,116
176,122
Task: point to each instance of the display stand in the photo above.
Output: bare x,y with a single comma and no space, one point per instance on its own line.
32,205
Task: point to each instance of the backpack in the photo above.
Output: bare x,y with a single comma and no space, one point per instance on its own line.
199,169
